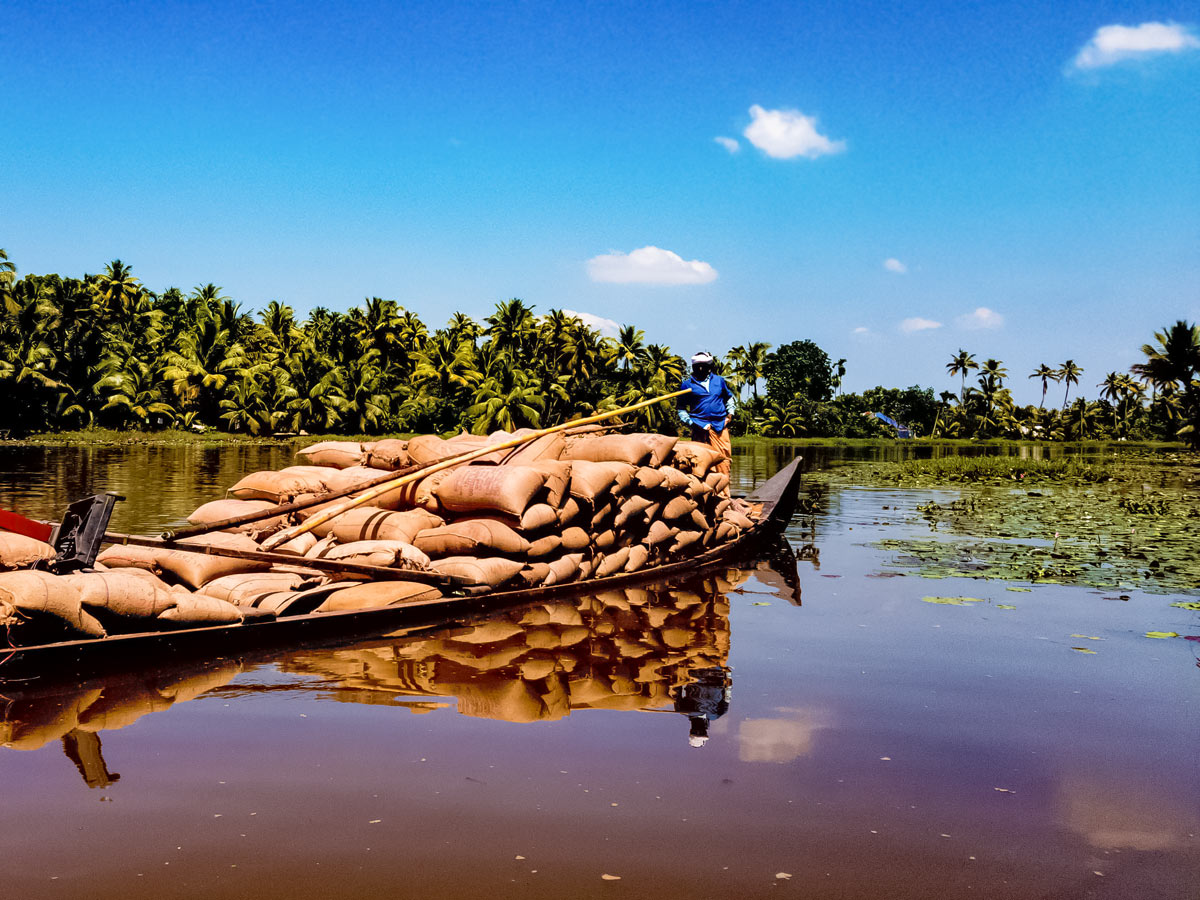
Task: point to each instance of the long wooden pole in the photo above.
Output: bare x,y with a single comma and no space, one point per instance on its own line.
312,522
335,566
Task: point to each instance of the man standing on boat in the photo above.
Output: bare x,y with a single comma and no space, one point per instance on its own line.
706,408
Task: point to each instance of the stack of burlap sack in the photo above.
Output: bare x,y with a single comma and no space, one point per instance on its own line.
30,721
628,648
551,511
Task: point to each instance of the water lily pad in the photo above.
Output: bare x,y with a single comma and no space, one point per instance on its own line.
1183,605
1083,650
1161,635
1019,590
952,601
1005,606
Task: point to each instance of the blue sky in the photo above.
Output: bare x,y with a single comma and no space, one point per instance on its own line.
1039,162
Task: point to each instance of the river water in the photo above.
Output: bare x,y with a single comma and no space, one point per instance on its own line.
734,737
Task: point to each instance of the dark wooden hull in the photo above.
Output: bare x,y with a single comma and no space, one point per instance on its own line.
71,660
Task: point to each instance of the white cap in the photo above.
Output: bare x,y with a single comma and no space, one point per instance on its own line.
697,741
702,357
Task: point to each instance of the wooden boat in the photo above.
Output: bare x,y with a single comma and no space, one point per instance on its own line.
71,660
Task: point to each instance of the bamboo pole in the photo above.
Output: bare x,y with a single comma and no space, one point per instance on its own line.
335,566
287,534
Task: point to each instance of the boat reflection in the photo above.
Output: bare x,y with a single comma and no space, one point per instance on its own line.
638,649
629,649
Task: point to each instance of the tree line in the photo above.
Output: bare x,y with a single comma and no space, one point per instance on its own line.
103,350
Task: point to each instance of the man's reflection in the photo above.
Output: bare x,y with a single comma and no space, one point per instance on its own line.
704,699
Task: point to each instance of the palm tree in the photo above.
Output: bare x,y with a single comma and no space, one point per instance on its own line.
118,288
754,363
631,346
507,401
839,372
960,364
1069,372
131,392
1173,368
511,328
8,272
1047,375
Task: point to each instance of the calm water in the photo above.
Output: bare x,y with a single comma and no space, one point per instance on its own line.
860,743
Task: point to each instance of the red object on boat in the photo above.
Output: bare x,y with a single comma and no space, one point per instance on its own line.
10,521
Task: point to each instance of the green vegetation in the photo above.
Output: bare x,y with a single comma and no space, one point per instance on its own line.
996,469
105,352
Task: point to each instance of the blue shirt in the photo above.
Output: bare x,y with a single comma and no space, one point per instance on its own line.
706,404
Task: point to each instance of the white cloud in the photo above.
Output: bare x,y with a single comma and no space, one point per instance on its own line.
862,329
894,265
788,133
606,327
728,143
649,265
1115,43
782,739
981,318
916,323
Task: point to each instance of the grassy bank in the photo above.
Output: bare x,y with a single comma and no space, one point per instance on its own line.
172,437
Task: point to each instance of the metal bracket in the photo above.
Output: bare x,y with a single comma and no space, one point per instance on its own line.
78,537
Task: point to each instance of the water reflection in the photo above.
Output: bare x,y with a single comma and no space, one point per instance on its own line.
629,649
634,649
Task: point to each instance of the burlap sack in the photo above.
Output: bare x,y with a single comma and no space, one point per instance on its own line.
299,545
544,546
727,531
663,445
337,454
18,551
535,574
718,481
429,448
121,704
570,511
494,571
566,568
197,569
420,494
633,449
699,520
388,454
244,588
685,539
696,488
122,593
605,539
30,591
735,517
674,480
593,480
281,486
602,515
218,510
378,594
539,516
695,458
613,562
201,609
558,479
659,532
547,448
575,538
370,523
377,553
120,556
585,568
678,507
468,537
353,477
505,489
647,478
639,554
630,508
